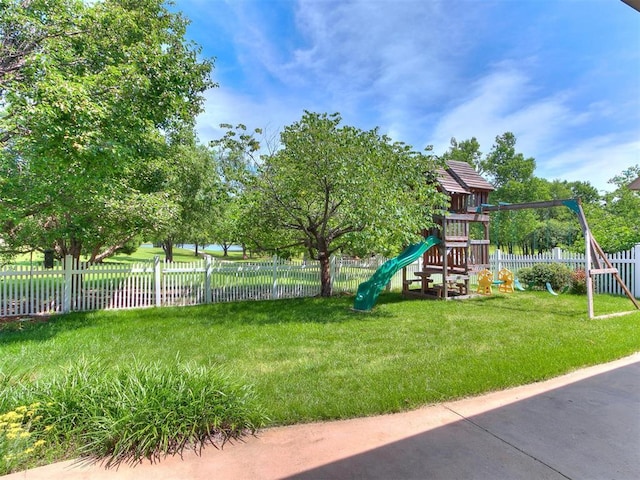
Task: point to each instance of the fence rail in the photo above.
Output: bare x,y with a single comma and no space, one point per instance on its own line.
26,290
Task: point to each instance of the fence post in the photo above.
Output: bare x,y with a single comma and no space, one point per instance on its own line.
207,278
557,254
636,270
157,280
274,285
68,284
332,271
498,259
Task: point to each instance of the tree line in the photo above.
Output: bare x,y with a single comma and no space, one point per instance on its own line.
98,152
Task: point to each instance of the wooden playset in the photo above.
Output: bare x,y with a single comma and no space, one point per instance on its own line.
447,267
458,247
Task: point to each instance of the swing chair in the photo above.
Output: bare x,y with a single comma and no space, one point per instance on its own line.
505,279
485,280
518,285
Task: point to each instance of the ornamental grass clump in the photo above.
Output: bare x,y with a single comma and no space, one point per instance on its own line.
144,411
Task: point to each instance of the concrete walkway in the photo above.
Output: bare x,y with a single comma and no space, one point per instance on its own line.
584,425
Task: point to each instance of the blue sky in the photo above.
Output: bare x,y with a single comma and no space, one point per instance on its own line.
563,76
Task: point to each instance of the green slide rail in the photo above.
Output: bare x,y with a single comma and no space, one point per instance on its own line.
368,291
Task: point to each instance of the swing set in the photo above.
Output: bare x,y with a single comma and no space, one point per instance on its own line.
597,262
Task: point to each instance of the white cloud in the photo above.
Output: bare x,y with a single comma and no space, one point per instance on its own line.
385,62
595,160
226,106
499,102
544,126
423,72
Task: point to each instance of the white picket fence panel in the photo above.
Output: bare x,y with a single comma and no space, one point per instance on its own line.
626,262
69,287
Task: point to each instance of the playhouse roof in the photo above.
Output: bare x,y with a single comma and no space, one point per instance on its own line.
460,177
450,184
635,185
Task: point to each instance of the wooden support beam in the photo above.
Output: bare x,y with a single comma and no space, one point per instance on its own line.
526,205
467,217
617,314
603,271
616,275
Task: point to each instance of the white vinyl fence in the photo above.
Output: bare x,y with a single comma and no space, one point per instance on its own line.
627,263
31,290
26,290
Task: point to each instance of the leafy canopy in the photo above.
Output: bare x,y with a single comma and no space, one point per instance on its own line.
333,187
95,97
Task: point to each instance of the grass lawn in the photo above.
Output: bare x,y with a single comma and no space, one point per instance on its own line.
145,254
316,359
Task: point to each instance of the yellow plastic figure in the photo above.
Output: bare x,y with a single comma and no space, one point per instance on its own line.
505,276
485,279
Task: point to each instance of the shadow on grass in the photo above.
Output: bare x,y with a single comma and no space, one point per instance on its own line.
301,310
39,329
270,312
264,312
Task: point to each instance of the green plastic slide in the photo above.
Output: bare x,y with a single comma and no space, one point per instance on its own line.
368,291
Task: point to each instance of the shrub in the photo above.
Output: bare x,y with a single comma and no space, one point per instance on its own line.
557,274
579,282
143,411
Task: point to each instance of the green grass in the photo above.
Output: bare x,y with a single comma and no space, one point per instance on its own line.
123,385
145,254
123,415
315,359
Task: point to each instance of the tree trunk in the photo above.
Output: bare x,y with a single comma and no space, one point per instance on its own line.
325,274
196,253
167,246
225,249
244,251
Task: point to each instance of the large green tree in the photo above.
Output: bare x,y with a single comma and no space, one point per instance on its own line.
513,175
90,112
237,155
616,223
192,184
333,188
465,151
503,164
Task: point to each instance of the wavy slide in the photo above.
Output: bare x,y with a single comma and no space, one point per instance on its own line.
368,291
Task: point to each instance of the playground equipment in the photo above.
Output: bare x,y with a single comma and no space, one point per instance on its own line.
448,264
597,261
485,280
445,270
368,291
552,291
505,279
